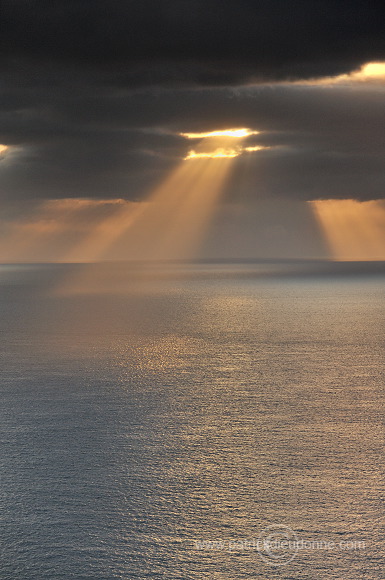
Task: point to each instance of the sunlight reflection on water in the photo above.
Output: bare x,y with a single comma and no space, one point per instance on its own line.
204,407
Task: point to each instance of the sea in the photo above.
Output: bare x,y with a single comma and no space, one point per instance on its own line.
192,421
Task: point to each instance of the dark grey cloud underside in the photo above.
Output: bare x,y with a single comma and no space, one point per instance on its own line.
324,143
195,41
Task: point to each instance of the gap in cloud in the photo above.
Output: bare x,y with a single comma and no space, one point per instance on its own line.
226,143
368,74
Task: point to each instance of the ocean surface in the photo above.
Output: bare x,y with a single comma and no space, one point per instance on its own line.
184,421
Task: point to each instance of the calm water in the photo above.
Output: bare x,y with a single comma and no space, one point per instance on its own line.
146,415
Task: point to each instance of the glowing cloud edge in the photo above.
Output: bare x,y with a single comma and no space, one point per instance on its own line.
221,152
231,133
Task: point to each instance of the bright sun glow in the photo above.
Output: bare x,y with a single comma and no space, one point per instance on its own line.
3,148
369,73
236,133
223,152
254,148
217,153
169,224
221,144
373,69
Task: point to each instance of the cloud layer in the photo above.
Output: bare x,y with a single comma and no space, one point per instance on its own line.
94,95
201,41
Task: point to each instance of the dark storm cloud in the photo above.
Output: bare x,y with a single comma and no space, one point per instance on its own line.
324,142
93,94
201,41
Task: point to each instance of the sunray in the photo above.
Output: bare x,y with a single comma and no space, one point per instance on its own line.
354,230
189,218
27,238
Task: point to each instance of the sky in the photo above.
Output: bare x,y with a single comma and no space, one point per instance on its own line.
106,111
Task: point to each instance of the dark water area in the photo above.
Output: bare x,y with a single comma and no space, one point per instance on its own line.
183,421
